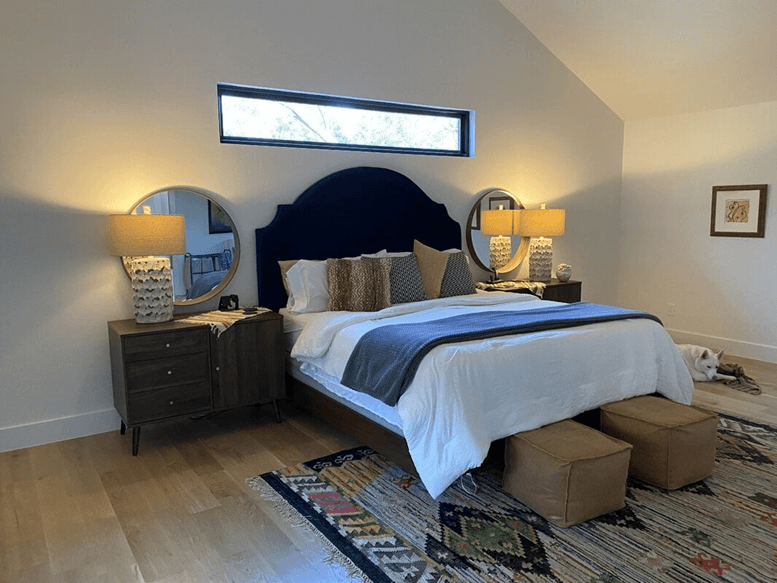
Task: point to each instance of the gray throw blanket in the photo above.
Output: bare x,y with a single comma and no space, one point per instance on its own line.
385,359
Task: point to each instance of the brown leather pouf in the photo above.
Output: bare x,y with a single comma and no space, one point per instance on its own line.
567,472
674,444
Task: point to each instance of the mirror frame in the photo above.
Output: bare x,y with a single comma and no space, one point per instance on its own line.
523,248
235,258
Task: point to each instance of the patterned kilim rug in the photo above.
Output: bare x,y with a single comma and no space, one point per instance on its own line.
381,524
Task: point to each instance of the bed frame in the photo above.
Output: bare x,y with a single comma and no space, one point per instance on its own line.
353,211
197,265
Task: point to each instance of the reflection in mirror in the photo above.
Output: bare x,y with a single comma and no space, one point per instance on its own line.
212,244
478,243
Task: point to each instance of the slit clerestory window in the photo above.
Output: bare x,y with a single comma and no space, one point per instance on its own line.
276,117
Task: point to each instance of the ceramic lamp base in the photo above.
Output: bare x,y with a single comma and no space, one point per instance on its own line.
499,252
540,258
152,286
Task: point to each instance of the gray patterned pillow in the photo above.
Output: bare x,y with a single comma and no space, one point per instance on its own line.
406,282
457,280
360,285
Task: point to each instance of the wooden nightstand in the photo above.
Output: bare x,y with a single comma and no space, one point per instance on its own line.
161,371
563,291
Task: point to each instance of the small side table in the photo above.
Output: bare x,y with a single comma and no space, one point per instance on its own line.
172,369
563,291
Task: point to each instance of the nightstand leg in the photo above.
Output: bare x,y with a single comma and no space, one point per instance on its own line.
135,440
277,411
123,428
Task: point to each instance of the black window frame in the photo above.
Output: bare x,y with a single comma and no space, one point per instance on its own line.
466,118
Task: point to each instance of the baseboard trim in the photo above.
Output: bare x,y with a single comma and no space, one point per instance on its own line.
61,429
731,347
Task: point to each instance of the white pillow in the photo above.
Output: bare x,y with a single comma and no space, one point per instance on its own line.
385,253
456,251
309,287
381,253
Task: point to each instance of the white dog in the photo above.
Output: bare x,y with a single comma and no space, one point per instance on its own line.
703,363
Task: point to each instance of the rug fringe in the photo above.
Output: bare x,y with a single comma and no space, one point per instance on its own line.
265,491
293,517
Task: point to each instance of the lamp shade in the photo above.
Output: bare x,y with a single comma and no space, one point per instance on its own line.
497,222
143,235
540,223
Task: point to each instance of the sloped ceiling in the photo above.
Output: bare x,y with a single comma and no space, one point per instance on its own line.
655,58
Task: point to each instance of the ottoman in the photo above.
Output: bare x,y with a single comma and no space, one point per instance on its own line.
566,472
674,444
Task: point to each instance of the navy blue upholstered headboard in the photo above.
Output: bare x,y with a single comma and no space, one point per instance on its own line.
353,211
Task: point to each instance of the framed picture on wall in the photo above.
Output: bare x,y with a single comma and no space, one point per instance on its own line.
738,211
218,220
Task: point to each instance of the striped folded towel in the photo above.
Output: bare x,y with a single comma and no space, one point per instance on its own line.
534,287
220,321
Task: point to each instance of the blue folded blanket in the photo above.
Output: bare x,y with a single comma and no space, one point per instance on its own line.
385,359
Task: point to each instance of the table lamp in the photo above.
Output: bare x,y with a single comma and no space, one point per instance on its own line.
498,224
142,239
540,224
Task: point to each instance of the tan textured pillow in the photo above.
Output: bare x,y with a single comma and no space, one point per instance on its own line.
285,266
358,285
432,265
338,272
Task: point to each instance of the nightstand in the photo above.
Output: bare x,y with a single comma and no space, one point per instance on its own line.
162,371
563,291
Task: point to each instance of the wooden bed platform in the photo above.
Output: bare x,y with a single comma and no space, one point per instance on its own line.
366,431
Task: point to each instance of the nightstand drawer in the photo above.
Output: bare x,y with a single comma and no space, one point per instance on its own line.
143,375
163,403
146,346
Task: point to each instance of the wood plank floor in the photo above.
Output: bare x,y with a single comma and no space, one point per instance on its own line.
719,397
85,510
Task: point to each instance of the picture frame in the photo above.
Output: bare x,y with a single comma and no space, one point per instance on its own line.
738,211
218,220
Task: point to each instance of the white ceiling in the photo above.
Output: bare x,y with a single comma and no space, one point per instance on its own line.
654,58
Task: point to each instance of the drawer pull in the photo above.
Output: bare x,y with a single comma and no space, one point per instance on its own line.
217,369
171,402
169,372
167,345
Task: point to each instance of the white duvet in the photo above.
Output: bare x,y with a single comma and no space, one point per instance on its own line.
466,395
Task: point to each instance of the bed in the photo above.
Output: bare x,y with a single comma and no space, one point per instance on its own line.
205,271
463,395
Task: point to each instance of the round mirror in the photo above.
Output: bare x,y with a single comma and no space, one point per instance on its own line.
479,244
212,244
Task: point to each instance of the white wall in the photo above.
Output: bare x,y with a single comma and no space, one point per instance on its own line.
723,288
105,101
